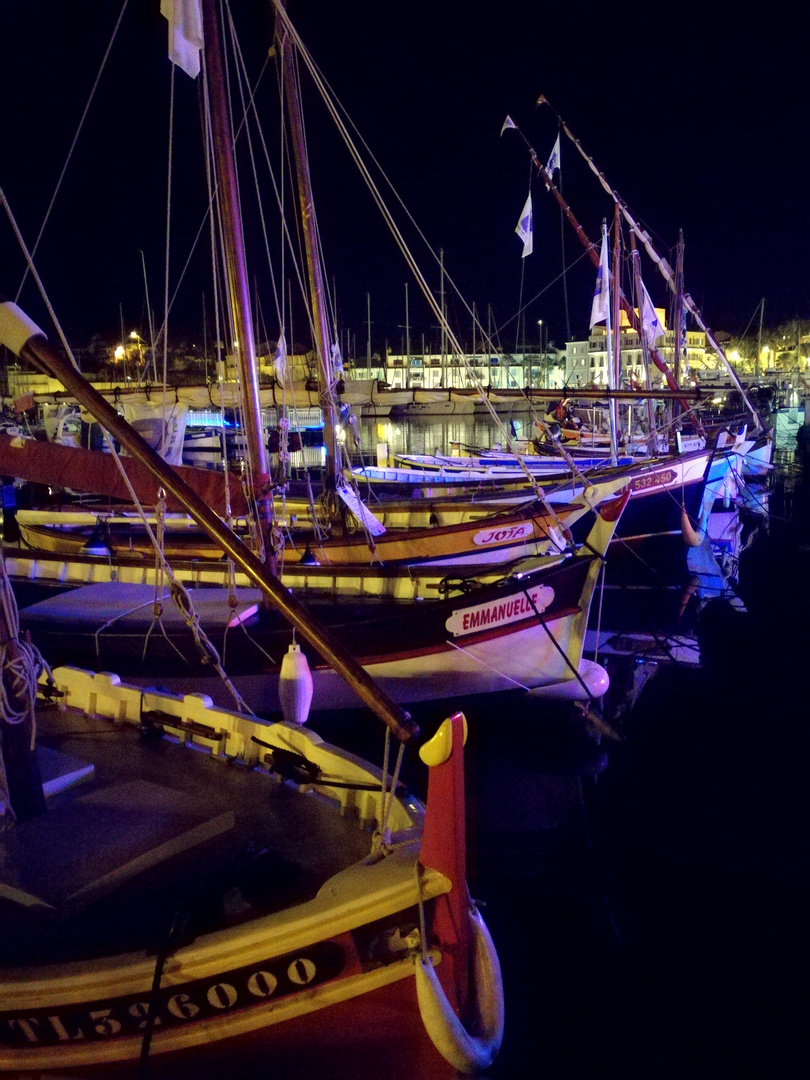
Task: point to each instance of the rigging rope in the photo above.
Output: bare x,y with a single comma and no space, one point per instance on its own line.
21,665
381,840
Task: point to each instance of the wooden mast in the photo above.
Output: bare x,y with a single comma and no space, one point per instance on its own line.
24,338
615,356
652,441
680,342
660,262
591,249
238,287
314,269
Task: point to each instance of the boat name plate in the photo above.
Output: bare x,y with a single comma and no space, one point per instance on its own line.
175,1005
656,479
502,535
524,605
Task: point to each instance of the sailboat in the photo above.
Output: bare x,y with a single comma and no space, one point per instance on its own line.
520,627
760,447
525,629
527,530
178,876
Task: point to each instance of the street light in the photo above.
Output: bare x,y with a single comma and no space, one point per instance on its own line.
136,337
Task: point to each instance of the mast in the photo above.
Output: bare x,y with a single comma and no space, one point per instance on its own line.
679,318
441,306
314,270
759,338
368,334
652,441
238,287
408,331
615,359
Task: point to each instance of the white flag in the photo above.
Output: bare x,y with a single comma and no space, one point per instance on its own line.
524,227
601,297
554,160
508,123
185,33
650,323
280,359
337,360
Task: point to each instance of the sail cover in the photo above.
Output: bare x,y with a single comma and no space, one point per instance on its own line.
95,473
163,429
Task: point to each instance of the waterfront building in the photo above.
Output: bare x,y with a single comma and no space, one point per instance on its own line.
496,371
586,361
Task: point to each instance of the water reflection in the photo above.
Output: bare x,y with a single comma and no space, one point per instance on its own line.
430,435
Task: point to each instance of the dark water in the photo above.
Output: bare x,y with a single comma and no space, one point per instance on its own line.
652,916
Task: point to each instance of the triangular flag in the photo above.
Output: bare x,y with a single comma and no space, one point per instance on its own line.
524,227
337,360
601,296
508,123
554,159
280,359
185,33
650,323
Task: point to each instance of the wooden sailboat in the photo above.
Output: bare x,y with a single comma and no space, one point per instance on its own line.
174,897
525,630
422,661
529,530
166,900
363,539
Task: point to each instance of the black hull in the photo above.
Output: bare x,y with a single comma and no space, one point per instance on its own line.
111,628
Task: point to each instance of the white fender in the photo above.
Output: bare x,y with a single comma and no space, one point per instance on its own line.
466,1053
295,686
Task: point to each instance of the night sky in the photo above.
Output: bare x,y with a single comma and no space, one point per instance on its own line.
697,118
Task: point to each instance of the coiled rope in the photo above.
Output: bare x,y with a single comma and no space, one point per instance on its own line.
21,665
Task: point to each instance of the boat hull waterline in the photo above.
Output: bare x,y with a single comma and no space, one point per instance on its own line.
504,636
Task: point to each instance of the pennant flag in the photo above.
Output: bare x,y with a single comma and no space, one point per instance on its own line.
554,160
508,123
524,227
337,360
185,33
650,323
280,359
601,297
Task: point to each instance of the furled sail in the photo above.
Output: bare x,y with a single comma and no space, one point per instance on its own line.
96,473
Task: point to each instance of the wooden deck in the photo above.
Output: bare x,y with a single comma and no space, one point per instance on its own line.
141,831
